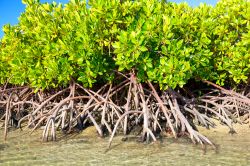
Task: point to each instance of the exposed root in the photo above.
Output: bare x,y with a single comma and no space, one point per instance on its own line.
120,108
118,122
228,105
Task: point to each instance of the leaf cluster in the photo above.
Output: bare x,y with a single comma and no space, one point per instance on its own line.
163,42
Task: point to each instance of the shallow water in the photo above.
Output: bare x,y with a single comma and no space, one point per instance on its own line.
82,149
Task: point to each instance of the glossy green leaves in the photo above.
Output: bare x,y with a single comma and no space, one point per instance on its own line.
163,42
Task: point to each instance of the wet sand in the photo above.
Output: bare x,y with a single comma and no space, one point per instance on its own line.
87,148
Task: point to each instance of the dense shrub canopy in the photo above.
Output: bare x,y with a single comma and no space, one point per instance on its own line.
166,43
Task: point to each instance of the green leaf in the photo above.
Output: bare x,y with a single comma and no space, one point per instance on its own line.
143,48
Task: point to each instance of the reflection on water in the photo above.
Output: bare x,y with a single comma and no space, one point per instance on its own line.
23,149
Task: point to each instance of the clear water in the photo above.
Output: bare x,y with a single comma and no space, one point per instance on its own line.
21,148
